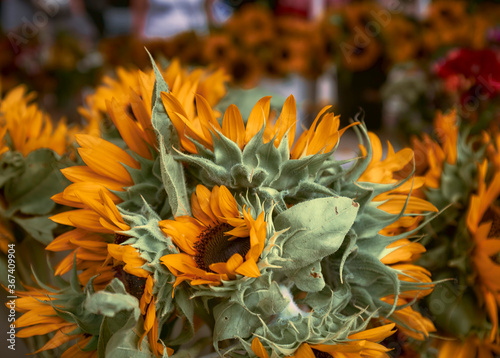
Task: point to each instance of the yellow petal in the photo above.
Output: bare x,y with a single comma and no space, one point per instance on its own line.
233,126
258,348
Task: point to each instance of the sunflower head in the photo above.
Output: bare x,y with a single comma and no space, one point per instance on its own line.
218,242
28,127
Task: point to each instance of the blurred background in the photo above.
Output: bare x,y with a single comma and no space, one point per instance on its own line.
380,57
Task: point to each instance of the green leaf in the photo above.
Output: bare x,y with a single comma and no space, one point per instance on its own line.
12,165
317,229
31,192
109,304
118,338
186,307
309,278
38,227
233,321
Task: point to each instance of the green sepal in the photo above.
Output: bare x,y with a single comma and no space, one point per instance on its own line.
454,309
370,280
172,174
113,299
121,313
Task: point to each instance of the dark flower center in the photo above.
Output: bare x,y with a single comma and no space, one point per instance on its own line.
133,284
213,246
239,69
493,215
285,53
120,239
320,354
220,52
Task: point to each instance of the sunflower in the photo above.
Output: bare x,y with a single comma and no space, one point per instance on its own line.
218,48
39,317
128,98
401,254
384,171
243,68
218,242
446,24
98,244
104,170
187,46
127,265
361,344
28,127
403,41
251,26
291,55
321,137
97,223
359,55
233,127
483,222
473,346
356,57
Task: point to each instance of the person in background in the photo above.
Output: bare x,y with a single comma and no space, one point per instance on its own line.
166,18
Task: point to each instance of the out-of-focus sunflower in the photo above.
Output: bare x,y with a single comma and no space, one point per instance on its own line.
446,24
40,316
219,47
3,145
462,242
243,69
28,127
219,242
356,57
483,222
432,154
384,171
291,55
251,26
401,254
359,49
361,344
473,346
186,46
403,40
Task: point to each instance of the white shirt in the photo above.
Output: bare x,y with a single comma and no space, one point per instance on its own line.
166,18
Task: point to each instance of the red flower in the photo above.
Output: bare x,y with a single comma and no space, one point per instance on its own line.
474,74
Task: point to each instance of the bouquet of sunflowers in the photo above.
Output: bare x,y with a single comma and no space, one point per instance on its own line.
183,230
462,177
